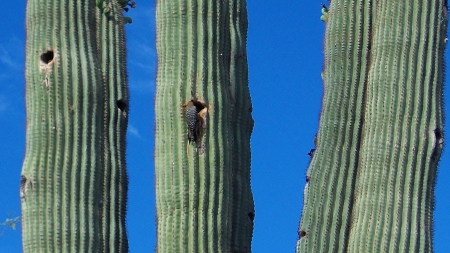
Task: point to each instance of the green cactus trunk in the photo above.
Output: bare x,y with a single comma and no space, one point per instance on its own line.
371,181
74,181
204,200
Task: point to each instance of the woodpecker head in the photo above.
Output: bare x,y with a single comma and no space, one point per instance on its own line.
190,104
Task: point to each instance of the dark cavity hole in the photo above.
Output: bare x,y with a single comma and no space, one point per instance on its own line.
302,233
23,180
121,104
438,133
251,215
198,105
47,57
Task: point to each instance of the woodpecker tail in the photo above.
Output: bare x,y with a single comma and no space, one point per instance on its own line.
192,136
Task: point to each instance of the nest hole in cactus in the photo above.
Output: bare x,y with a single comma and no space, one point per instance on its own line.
47,57
302,233
198,104
121,104
202,109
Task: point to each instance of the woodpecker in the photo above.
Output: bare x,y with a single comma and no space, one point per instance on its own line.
192,121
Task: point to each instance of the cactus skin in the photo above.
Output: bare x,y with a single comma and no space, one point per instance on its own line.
371,180
203,190
74,180
112,54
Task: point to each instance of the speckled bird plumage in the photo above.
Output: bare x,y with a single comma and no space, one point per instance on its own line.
192,121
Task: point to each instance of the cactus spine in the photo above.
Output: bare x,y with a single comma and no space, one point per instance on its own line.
74,180
371,180
204,200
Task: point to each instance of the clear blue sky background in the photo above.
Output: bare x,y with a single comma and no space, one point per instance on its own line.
285,42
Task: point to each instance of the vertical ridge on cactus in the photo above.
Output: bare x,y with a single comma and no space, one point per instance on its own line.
113,65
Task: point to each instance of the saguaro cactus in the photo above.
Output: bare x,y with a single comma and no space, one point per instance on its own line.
74,181
371,181
204,200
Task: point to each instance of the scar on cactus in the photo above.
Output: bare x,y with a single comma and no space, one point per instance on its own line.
438,141
122,106
438,134
47,59
25,183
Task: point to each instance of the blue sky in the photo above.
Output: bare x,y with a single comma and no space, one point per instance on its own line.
285,42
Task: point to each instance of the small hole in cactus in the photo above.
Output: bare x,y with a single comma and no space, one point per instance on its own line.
438,133
25,184
307,179
47,57
122,105
302,233
23,181
251,215
199,105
